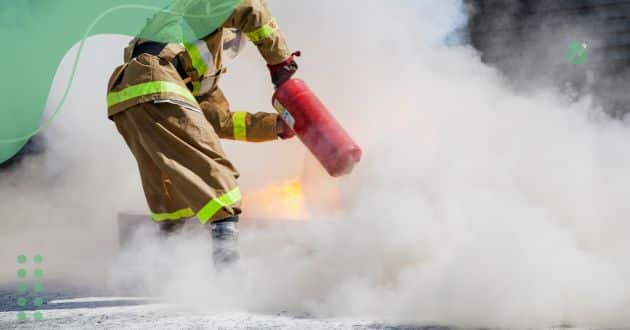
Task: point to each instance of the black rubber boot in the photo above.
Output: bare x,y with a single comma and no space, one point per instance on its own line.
225,242
170,228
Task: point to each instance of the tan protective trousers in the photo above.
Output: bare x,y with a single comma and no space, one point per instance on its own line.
183,168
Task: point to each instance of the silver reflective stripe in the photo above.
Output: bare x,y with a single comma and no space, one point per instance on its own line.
181,104
206,55
207,83
210,77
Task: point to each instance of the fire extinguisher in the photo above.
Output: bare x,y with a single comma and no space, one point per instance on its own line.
301,110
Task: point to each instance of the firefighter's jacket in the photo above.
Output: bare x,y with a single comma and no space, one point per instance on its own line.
139,81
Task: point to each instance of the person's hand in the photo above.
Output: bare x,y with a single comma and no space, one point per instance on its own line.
283,71
284,131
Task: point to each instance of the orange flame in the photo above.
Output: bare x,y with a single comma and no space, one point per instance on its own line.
282,201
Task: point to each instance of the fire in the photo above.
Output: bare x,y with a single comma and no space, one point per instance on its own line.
283,201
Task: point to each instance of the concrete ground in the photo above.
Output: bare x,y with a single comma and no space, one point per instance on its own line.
80,308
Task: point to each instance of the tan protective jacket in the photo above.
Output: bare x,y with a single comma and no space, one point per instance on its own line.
135,83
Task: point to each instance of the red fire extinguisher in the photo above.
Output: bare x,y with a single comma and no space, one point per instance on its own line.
301,110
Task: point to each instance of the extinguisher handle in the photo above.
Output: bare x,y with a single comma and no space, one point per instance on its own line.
284,70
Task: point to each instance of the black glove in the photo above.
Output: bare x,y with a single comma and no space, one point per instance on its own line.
283,71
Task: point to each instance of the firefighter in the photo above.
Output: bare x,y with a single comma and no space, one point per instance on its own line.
167,106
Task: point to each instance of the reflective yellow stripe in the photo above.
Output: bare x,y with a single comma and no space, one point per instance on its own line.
196,87
177,215
216,204
262,32
197,61
240,125
148,88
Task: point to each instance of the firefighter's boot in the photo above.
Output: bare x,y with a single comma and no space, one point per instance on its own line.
171,228
225,242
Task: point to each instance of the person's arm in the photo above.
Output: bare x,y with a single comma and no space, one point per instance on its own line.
240,125
255,20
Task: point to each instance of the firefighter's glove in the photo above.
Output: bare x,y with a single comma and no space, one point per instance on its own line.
284,131
283,71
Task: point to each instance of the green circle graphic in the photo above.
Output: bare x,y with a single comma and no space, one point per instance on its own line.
71,23
21,301
21,287
576,53
38,301
38,259
37,316
38,287
38,272
21,259
21,273
21,316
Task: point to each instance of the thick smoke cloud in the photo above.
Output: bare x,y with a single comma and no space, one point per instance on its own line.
474,205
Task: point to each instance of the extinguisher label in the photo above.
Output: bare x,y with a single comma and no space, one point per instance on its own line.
284,114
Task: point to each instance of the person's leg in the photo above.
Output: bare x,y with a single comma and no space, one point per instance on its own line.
183,147
170,228
168,209
225,241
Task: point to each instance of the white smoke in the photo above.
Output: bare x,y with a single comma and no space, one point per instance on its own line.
473,205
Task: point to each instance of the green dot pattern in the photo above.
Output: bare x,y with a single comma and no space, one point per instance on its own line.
38,301
23,287
576,53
